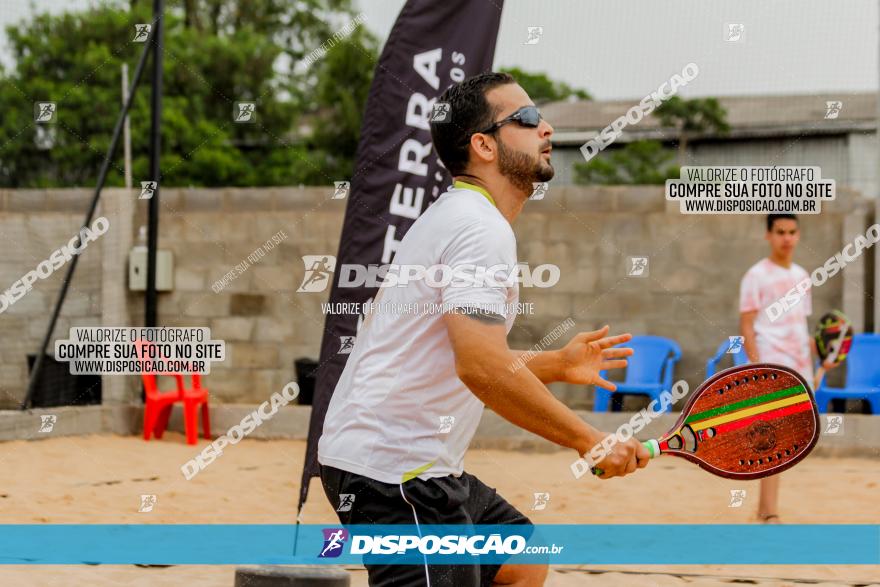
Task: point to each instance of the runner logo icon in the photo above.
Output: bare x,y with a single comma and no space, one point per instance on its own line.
334,541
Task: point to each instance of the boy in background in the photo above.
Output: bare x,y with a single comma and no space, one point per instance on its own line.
787,339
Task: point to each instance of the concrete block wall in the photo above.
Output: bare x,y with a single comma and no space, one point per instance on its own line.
33,224
690,295
266,324
695,266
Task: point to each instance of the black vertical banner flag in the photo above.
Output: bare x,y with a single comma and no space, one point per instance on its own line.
397,175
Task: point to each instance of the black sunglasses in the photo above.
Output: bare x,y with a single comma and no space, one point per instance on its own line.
528,116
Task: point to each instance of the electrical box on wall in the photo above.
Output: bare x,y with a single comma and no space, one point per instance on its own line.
137,269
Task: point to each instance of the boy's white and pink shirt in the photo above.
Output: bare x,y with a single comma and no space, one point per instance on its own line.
787,339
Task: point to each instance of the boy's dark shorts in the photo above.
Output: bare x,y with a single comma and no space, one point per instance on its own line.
442,500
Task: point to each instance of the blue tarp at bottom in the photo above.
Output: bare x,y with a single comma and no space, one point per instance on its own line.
402,544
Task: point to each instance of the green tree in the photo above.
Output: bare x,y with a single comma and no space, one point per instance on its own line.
637,163
335,103
646,162
216,53
690,117
542,89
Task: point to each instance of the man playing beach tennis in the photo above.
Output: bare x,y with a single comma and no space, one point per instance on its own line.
412,393
785,340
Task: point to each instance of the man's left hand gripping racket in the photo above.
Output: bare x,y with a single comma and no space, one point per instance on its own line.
745,422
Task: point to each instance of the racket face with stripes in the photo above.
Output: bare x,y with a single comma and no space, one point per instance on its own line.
833,336
746,422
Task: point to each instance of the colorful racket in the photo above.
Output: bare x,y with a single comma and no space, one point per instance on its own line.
833,336
745,422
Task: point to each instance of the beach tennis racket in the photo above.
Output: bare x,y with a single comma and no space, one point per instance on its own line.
745,422
833,336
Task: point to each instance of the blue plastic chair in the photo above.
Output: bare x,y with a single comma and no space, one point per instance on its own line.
862,375
739,358
649,371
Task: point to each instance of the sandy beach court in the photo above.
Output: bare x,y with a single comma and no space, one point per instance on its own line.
99,479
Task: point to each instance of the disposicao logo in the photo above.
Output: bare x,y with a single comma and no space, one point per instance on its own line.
334,540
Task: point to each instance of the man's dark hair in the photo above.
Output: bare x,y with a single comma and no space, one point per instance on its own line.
469,112
771,218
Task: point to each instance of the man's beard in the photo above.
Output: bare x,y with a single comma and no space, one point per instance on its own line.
521,170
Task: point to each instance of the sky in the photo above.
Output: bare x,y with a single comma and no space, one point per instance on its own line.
619,49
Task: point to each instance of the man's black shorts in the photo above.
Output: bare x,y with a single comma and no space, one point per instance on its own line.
442,500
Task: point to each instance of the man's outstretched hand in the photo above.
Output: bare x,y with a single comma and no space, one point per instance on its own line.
587,353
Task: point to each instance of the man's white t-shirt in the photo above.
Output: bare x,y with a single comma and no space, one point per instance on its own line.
399,410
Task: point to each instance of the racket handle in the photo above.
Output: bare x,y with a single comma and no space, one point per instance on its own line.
653,448
817,378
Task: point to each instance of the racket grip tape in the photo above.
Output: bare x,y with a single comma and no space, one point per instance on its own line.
653,448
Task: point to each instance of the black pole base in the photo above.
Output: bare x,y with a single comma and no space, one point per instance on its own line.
284,576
